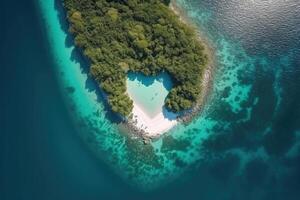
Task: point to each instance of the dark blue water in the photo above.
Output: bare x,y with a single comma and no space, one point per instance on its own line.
42,157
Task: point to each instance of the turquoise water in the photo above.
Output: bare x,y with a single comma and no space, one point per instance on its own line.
127,154
243,124
149,92
124,154
58,139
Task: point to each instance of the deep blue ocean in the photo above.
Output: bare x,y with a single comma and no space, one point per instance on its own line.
253,153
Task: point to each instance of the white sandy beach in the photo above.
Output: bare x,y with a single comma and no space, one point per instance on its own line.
155,126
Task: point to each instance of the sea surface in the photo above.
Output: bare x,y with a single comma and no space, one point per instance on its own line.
59,140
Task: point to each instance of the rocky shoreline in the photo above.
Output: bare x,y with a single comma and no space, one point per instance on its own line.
134,131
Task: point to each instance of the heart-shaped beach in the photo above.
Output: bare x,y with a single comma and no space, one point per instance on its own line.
148,94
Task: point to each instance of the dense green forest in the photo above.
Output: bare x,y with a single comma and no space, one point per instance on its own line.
144,36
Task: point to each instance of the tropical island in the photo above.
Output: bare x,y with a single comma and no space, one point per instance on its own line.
141,36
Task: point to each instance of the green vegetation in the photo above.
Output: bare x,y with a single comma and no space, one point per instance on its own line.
144,36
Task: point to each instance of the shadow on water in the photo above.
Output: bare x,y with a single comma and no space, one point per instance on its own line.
77,56
168,114
162,77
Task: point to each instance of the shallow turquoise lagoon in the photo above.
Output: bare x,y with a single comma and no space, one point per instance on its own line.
224,126
146,167
149,92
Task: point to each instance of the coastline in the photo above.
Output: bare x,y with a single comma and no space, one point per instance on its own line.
150,128
159,125
189,115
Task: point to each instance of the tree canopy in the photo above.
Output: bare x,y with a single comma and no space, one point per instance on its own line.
144,36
